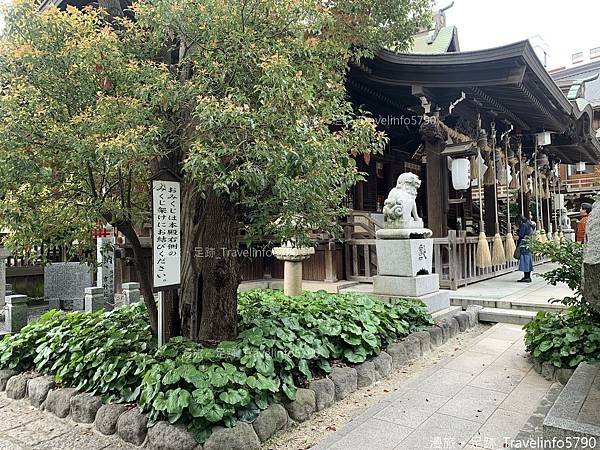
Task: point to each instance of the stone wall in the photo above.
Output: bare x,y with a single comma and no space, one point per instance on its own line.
131,425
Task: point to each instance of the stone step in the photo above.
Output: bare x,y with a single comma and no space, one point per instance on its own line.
464,301
446,313
500,315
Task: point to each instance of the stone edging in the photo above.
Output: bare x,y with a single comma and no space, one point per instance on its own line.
132,426
552,373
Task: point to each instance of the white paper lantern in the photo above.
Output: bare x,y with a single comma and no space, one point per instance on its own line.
581,166
461,171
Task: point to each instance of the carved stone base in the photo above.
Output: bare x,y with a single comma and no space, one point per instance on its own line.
435,301
406,286
404,257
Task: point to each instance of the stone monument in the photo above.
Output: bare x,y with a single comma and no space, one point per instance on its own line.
65,283
591,259
405,250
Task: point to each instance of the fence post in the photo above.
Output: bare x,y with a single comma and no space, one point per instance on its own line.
330,263
131,293
94,299
453,262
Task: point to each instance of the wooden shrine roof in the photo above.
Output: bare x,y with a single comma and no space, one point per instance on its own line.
508,83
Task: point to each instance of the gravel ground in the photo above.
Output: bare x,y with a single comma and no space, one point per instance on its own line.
301,436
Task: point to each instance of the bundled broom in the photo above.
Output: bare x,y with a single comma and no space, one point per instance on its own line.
498,256
539,234
483,259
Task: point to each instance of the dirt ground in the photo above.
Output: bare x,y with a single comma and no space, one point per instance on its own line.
301,436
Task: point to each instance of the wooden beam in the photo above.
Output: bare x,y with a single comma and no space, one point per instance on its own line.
437,190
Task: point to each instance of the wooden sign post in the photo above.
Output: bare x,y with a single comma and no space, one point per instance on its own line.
166,239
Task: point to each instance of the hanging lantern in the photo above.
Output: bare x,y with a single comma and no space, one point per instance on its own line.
543,139
461,171
542,160
581,166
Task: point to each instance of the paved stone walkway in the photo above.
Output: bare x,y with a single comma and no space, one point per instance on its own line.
23,427
506,289
475,399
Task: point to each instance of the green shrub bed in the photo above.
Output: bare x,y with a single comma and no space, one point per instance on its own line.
564,339
282,344
572,336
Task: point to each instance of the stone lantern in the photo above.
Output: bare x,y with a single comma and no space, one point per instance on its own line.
292,258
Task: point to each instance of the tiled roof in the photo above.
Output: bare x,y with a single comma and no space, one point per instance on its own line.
592,88
425,43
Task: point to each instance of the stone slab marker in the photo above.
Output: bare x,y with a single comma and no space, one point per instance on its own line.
65,283
16,313
105,254
94,299
131,293
591,259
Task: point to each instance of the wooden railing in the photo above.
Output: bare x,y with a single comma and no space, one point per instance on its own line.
454,259
359,224
582,182
51,253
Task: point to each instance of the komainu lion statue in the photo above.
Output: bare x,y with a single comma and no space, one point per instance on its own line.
400,208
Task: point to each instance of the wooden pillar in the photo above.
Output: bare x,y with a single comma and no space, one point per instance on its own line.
359,199
489,205
545,218
434,139
267,267
330,263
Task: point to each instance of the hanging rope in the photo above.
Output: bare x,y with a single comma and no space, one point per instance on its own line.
536,192
521,171
556,235
483,258
498,256
510,246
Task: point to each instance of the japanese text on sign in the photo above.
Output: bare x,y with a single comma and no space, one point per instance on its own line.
166,233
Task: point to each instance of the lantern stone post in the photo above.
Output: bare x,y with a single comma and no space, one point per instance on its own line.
292,269
16,313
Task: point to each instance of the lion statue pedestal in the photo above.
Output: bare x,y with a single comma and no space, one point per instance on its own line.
405,249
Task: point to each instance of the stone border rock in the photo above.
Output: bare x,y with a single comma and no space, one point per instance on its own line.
550,372
132,426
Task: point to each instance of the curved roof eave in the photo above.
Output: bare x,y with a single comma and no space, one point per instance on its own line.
521,50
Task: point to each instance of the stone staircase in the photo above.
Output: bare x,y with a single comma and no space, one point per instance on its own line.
517,312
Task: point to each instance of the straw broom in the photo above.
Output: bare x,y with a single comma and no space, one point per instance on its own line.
498,256
483,258
537,236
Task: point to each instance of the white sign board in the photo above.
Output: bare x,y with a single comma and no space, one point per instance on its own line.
166,234
105,254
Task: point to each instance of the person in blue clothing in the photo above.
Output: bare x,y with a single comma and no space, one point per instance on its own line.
527,228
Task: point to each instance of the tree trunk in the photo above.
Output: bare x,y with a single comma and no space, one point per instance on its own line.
172,321
210,268
143,272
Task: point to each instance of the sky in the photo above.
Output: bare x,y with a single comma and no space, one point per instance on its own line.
567,26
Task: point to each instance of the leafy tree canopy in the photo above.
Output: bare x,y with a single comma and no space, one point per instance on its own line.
248,95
